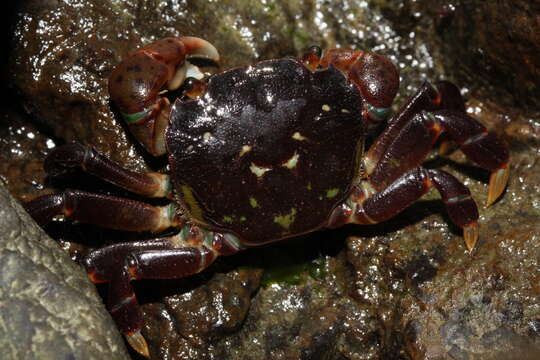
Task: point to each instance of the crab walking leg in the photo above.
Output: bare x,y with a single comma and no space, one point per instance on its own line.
369,207
102,210
71,156
445,95
479,145
407,151
410,137
187,253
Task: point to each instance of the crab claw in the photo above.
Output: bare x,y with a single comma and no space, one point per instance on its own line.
195,48
136,85
376,77
497,184
138,343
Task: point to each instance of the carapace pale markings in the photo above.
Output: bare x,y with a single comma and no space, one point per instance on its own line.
258,132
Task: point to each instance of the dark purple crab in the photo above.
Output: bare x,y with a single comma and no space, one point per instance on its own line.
259,154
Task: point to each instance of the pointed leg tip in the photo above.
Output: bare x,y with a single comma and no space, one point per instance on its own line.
138,343
470,235
497,184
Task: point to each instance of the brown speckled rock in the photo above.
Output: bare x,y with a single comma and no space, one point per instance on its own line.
186,326
23,149
499,46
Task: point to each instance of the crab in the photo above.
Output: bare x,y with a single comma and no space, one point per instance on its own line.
259,154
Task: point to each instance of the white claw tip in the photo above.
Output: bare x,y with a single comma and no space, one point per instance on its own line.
200,48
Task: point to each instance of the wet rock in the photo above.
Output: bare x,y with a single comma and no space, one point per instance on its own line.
489,46
185,325
60,63
499,46
22,151
287,321
482,306
48,309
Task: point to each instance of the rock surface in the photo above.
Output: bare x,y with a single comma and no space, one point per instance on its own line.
48,309
405,289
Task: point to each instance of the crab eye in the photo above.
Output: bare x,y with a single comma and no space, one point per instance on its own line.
378,113
189,83
315,50
193,87
312,57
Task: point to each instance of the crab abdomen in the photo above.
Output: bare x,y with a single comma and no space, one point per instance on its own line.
268,151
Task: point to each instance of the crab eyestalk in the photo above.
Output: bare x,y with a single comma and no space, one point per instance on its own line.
312,58
376,78
137,83
194,88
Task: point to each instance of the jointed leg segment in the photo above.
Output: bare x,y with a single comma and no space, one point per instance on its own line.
394,176
369,207
187,253
106,211
482,147
190,251
102,210
411,133
73,156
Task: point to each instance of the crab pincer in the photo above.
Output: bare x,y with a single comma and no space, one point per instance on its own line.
136,85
